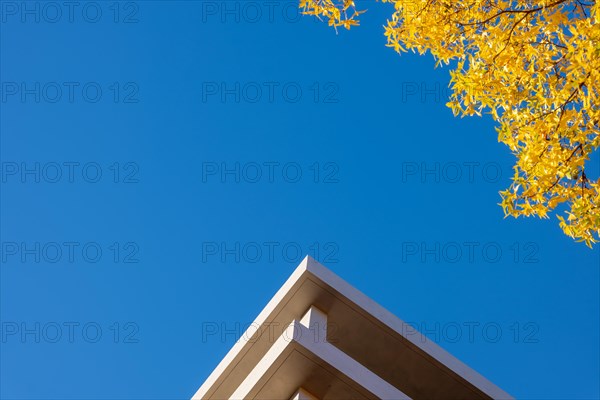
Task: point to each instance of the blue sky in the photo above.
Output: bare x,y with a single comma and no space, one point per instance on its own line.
166,165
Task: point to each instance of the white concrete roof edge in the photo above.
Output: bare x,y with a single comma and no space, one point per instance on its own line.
349,367
352,369
239,346
396,324
260,368
319,271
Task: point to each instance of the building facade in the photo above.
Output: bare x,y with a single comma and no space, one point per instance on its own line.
320,338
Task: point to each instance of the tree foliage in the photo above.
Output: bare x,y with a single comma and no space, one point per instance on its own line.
535,67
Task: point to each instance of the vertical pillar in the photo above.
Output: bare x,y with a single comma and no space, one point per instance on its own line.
316,320
302,394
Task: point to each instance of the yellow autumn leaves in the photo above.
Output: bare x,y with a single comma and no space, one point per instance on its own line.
535,67
336,12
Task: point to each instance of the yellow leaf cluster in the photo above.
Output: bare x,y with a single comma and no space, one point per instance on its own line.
534,66
336,12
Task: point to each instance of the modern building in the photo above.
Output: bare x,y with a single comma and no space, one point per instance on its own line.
320,338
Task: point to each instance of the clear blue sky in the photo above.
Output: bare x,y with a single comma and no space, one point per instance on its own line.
395,195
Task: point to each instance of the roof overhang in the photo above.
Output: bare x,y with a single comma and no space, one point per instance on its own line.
359,328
